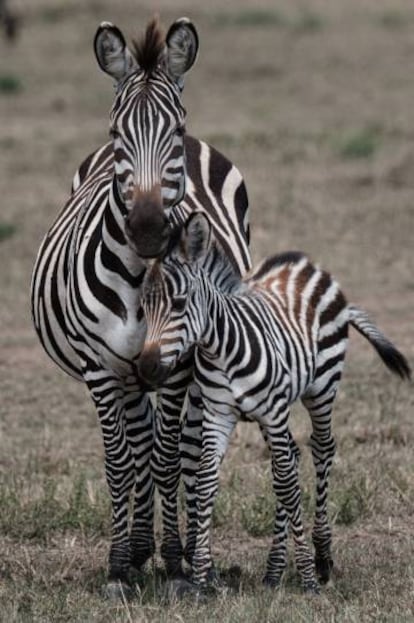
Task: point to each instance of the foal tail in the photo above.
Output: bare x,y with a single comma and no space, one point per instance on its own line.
393,359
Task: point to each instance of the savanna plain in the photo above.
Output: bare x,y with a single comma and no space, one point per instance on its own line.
314,103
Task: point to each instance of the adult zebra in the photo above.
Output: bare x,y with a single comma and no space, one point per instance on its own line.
263,342
86,285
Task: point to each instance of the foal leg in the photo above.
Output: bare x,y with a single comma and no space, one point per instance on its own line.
277,559
286,487
217,430
166,463
322,442
190,451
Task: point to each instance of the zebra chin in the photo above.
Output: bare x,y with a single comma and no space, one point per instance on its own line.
150,368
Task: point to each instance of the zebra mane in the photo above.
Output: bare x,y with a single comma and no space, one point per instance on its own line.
220,270
149,49
216,265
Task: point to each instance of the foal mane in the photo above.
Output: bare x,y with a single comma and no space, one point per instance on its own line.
149,48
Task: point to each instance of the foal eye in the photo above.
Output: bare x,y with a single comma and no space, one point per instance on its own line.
178,303
180,130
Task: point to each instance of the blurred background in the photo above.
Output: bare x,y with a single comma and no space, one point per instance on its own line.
313,101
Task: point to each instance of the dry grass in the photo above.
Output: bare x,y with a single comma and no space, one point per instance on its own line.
316,109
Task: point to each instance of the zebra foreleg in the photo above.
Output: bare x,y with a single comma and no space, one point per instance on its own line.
122,468
139,425
190,451
216,434
286,487
323,452
166,464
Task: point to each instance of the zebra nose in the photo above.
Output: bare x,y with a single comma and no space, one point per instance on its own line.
150,367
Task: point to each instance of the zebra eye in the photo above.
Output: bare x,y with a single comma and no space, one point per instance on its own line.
114,133
180,130
178,303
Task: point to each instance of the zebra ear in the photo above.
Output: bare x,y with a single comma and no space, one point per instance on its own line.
197,237
111,51
182,49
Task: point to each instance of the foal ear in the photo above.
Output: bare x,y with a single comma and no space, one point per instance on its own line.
182,49
197,237
112,53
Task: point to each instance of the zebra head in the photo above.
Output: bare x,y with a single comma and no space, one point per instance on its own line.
147,125
174,301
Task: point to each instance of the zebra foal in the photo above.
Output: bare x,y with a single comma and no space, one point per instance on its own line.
263,342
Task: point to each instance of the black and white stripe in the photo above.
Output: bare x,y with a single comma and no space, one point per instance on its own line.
263,342
87,280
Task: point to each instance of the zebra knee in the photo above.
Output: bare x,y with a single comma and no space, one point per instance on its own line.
323,446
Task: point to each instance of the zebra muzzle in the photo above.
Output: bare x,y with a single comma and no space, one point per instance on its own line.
150,367
146,227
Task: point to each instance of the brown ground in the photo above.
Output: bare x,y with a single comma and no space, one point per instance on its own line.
314,102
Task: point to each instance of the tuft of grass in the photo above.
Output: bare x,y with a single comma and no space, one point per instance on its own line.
223,507
361,143
10,84
308,22
6,231
393,19
55,14
251,18
258,515
353,501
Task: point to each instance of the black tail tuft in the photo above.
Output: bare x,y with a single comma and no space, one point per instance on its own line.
393,359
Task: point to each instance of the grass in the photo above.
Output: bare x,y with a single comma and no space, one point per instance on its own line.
6,231
10,84
392,19
34,509
307,22
356,144
256,18
303,22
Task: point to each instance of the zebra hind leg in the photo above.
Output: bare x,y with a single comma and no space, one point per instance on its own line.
286,487
277,559
323,452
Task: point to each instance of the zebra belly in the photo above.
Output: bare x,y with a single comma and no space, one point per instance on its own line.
222,399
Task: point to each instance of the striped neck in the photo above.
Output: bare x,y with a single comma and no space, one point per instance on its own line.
114,238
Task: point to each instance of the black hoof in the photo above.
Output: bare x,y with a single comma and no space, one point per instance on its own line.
181,588
323,568
174,569
115,590
270,582
311,588
139,559
213,579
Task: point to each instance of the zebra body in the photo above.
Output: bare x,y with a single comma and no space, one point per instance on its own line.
87,280
262,342
71,244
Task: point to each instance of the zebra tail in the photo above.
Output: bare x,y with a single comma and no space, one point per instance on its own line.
393,359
